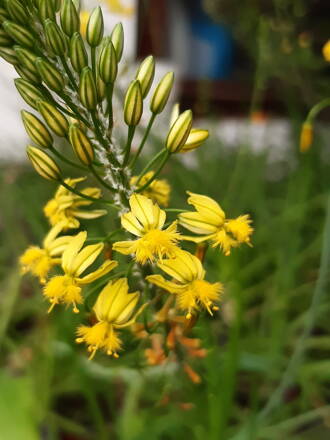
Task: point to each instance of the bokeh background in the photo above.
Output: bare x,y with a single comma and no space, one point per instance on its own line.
250,70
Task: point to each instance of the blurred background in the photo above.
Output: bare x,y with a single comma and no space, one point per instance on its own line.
250,71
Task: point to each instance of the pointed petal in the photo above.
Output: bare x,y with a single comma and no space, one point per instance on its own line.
96,213
208,207
86,258
72,250
131,224
124,247
197,223
160,281
142,208
106,267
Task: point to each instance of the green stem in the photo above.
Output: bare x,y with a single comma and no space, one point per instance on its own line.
69,73
131,131
161,166
110,109
145,137
150,164
75,110
99,179
64,159
93,57
314,111
84,196
174,210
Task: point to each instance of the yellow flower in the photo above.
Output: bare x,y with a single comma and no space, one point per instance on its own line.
326,51
116,6
146,220
209,220
158,191
66,288
190,287
65,206
84,17
306,137
114,310
40,260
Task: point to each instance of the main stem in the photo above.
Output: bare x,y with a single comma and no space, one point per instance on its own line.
145,137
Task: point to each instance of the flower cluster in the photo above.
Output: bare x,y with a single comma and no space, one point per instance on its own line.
68,75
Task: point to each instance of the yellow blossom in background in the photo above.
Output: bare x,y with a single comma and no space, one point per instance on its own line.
326,51
66,289
66,206
189,285
210,222
40,260
84,17
146,221
114,310
158,191
117,7
306,137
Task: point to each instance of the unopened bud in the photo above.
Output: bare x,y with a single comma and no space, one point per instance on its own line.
117,38
56,40
81,144
95,27
179,132
87,89
26,58
5,39
70,21
108,67
306,137
101,89
37,131
53,118
78,53
17,11
27,74
19,33
46,10
133,106
162,93
57,5
28,91
9,55
174,113
50,75
43,163
145,74
195,139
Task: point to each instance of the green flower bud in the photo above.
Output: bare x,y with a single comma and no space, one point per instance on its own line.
70,20
108,67
133,106
78,53
145,74
27,74
81,144
179,132
26,58
101,89
17,11
57,5
174,113
37,131
162,93
5,39
43,163
29,92
77,4
87,89
195,139
50,75
9,55
19,33
117,38
46,10
56,39
95,27
53,118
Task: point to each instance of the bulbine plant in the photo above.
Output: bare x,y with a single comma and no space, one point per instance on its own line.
145,281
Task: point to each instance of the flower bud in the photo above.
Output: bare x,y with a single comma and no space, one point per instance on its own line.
95,27
174,113
133,106
101,89
29,92
57,5
87,89
306,137
19,33
117,38
179,132
53,118
17,11
195,139
5,39
46,10
162,93
78,53
37,131
81,144
145,74
27,74
26,58
50,75
56,40
43,163
70,21
108,67
9,55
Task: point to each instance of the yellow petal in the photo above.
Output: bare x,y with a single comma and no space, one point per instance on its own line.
160,281
196,223
106,267
86,258
207,206
131,224
124,247
58,246
72,250
96,213
52,234
142,208
159,217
